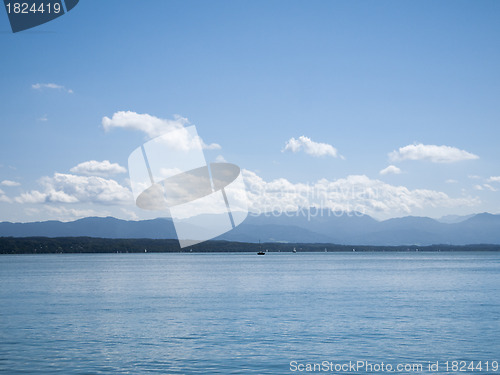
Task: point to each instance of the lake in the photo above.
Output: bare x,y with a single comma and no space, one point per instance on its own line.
230,313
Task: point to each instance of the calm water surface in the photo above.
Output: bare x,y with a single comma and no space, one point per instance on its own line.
243,313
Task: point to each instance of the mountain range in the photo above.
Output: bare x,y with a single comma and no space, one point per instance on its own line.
299,227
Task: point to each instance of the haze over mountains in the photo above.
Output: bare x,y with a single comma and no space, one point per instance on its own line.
305,226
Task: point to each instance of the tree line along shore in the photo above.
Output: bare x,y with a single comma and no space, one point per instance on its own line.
70,245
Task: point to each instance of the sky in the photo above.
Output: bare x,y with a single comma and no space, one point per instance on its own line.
390,108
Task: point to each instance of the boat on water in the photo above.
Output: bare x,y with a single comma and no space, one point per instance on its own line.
294,250
260,252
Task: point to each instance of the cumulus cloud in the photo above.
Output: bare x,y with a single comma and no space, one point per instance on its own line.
9,183
432,153
151,125
211,146
353,193
131,215
391,169
484,187
52,86
3,197
98,168
310,147
489,187
68,188
451,181
220,159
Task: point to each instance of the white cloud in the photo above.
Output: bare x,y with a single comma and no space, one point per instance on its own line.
44,118
211,146
130,215
451,181
489,187
220,159
9,183
391,169
353,193
3,197
98,168
151,125
68,188
432,153
474,177
310,147
53,86
484,187
33,196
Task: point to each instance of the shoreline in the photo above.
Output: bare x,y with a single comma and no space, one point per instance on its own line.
95,245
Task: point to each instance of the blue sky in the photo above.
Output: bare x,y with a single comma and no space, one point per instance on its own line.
302,95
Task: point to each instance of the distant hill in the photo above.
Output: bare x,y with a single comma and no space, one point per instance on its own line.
358,229
452,219
103,227
301,227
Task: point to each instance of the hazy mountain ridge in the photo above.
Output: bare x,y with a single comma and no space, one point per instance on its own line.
322,227
104,227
